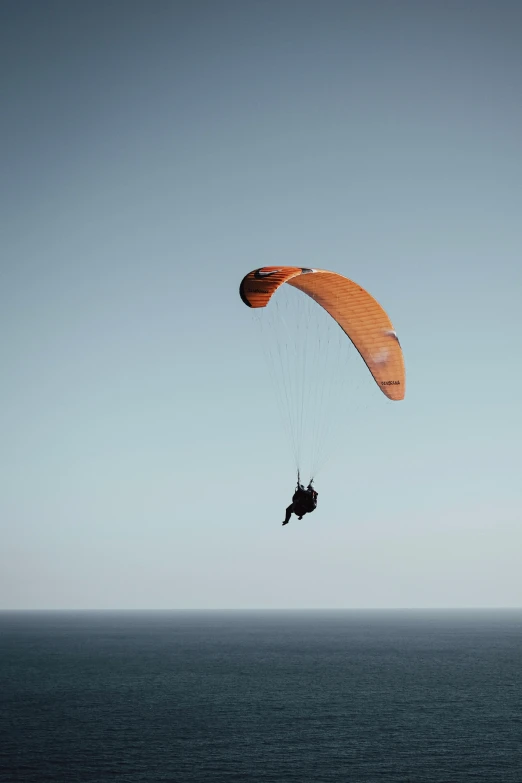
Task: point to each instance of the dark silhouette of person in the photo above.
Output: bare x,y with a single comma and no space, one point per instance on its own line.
304,501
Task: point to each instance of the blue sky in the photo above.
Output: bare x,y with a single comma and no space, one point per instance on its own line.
151,155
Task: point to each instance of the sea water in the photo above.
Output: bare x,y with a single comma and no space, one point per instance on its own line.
216,697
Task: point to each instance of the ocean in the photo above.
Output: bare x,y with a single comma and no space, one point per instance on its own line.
217,697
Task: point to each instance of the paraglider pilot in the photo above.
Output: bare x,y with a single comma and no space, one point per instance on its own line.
303,502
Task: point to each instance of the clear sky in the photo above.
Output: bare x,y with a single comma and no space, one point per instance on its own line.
151,154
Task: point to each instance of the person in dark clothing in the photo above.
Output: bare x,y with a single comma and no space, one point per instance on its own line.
303,502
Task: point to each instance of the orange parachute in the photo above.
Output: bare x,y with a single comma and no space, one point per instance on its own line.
358,314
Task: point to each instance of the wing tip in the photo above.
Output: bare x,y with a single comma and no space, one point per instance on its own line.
242,293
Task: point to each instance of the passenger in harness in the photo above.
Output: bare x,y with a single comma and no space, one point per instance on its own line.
303,502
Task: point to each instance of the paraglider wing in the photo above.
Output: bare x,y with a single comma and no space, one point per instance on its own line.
358,314
258,286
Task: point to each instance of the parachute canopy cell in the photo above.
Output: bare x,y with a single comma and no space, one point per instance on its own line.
358,314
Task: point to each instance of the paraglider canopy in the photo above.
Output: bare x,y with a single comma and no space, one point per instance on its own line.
358,314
